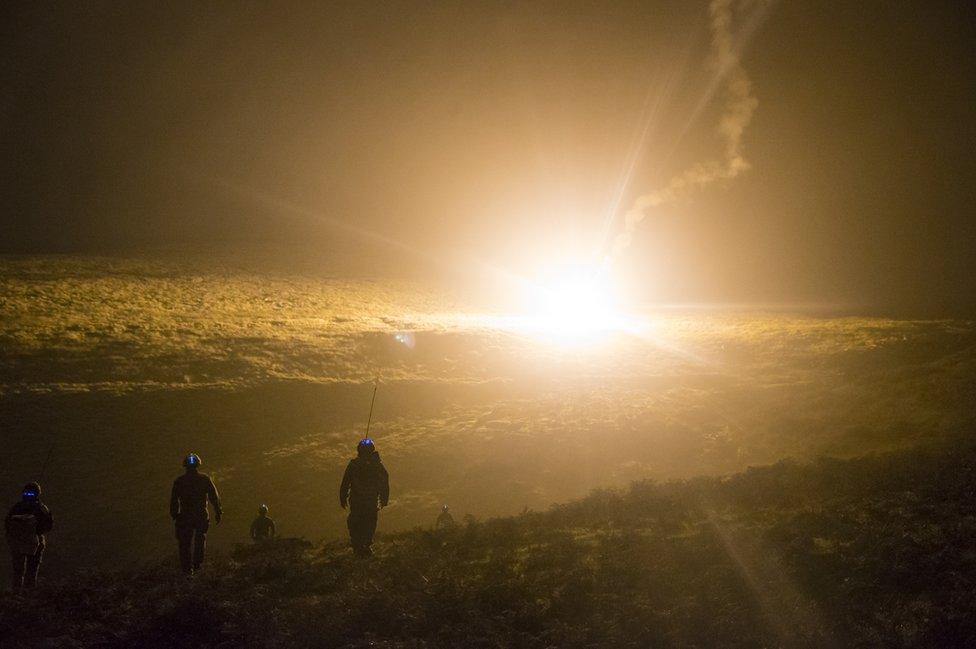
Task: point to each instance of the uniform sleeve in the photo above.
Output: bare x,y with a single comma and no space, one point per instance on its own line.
274,528
254,527
384,486
174,502
6,521
345,486
45,520
214,497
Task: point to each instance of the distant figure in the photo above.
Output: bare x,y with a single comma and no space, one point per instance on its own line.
188,508
263,527
26,524
445,520
365,488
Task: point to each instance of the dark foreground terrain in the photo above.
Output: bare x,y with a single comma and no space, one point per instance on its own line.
876,551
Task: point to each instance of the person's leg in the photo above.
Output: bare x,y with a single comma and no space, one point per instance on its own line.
355,524
369,528
184,535
199,546
351,526
33,566
17,564
362,525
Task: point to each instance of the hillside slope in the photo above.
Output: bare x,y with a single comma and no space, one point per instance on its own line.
877,551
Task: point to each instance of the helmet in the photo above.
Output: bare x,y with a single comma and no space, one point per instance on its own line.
365,446
263,509
444,508
31,491
192,461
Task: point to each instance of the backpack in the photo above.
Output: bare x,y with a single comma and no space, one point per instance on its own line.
22,534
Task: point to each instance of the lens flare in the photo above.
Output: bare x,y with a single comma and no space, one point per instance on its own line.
405,338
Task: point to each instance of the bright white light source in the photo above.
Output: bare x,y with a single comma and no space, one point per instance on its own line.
576,302
573,305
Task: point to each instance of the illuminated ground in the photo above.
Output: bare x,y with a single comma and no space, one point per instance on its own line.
268,376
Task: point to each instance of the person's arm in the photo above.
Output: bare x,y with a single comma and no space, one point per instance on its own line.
174,503
254,529
274,530
384,487
345,485
45,520
215,501
6,521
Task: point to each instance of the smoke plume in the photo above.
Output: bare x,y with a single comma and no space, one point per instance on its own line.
736,115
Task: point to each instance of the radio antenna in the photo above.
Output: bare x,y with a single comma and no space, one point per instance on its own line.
376,384
47,459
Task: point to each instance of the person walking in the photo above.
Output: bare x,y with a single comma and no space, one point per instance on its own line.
25,526
188,509
365,488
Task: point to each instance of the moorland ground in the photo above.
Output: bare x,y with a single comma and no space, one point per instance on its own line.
129,363
868,552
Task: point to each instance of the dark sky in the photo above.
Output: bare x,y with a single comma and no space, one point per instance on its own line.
501,130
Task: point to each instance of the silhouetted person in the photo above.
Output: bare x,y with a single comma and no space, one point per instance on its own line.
26,524
445,520
263,527
188,507
365,488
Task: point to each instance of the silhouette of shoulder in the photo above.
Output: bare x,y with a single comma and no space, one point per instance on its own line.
191,492
45,520
194,479
192,484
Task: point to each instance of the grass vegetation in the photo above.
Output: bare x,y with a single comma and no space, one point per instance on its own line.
875,551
